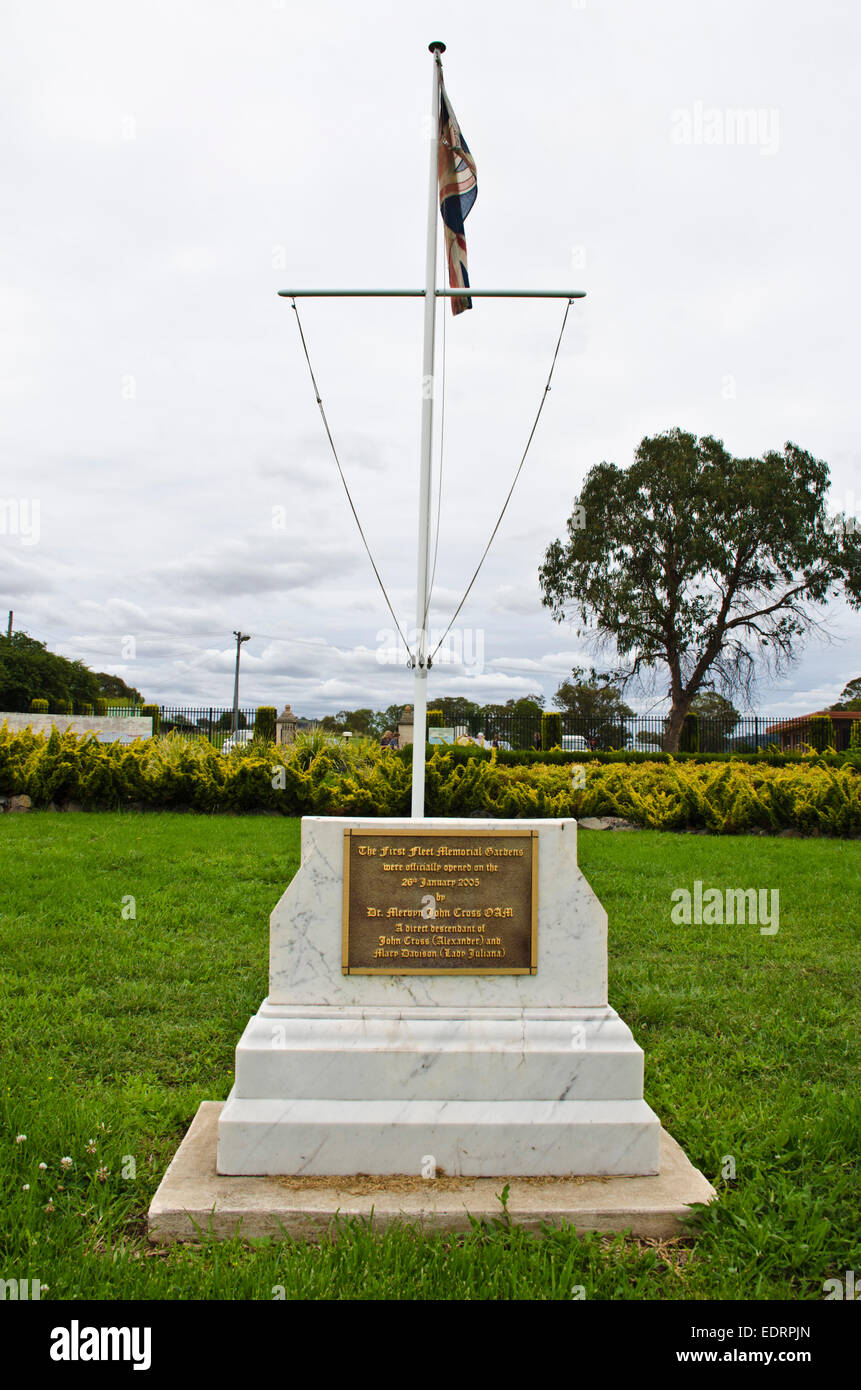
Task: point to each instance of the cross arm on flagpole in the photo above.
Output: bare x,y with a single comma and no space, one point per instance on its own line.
420,294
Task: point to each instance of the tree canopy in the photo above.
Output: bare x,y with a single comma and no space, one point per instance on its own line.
28,671
701,565
850,698
115,688
718,717
597,704
456,711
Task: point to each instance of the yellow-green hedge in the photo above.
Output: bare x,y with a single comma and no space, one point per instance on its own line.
320,776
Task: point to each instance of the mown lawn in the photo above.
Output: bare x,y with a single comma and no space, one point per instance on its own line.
115,1026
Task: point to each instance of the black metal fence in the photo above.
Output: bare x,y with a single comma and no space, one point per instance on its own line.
642,733
211,722
648,732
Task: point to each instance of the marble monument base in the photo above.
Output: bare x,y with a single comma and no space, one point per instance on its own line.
477,1091
472,1074
195,1201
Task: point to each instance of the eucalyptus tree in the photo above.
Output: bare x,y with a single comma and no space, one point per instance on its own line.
702,566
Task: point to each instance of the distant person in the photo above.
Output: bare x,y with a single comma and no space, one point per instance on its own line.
386,740
495,743
536,743
395,742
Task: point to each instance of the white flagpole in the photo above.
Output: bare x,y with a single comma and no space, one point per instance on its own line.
420,684
431,294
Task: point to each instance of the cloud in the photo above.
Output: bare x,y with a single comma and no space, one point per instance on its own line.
24,574
549,664
259,563
159,504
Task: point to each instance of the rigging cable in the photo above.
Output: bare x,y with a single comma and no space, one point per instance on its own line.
514,483
344,480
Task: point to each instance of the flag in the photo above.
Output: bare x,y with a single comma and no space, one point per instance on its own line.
458,189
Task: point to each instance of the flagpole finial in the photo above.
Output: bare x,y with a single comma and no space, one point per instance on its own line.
436,47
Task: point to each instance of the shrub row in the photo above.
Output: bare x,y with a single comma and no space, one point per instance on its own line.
527,757
66,707
318,777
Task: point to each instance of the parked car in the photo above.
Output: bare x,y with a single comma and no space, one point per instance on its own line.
241,738
574,743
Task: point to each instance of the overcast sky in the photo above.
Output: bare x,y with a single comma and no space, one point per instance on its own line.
169,166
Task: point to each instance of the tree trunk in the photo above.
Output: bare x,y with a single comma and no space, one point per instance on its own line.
674,726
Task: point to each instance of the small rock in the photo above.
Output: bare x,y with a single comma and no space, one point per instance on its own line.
790,835
593,823
19,803
73,806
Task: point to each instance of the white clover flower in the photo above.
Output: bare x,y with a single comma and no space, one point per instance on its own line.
65,1162
42,1167
20,1138
26,1187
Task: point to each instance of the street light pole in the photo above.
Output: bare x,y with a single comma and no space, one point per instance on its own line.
240,638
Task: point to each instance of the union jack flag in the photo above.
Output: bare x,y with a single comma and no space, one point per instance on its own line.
458,190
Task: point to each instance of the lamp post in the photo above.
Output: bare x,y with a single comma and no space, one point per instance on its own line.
240,638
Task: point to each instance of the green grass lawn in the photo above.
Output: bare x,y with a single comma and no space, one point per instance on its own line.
116,1026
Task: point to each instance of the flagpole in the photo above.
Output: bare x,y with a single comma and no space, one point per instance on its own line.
420,657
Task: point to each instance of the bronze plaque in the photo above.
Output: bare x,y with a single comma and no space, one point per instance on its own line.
440,903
